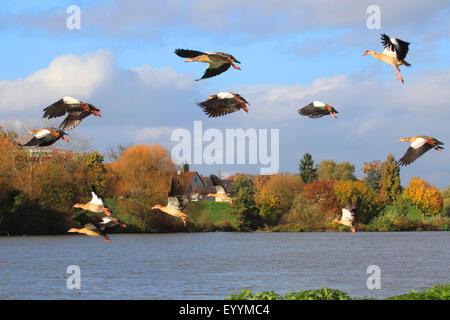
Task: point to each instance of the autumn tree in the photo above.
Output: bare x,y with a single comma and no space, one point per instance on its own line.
269,207
330,170
371,203
390,187
322,193
142,177
286,187
307,170
426,198
305,214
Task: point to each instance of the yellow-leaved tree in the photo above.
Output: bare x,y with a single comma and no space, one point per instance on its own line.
426,198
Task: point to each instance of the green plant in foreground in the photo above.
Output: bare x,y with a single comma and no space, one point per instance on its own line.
439,292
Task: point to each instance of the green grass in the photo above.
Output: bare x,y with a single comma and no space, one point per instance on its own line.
413,213
213,214
439,292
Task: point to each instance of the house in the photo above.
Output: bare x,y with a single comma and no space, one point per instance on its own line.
197,187
40,154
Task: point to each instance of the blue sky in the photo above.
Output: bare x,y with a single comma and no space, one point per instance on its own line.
292,52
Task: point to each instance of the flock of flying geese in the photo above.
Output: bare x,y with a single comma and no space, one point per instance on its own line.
217,105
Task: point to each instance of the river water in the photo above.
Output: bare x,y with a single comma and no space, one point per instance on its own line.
214,265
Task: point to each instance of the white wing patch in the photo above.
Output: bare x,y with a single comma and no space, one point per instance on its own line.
318,104
347,215
173,202
418,143
389,53
95,199
225,95
70,100
220,189
42,133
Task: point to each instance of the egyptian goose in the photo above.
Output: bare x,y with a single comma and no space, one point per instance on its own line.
221,192
223,103
394,53
317,109
348,214
175,202
95,205
96,226
218,61
419,145
44,137
77,111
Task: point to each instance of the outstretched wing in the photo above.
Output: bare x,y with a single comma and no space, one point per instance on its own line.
73,119
347,215
216,107
175,196
185,53
412,154
214,71
60,107
95,198
86,220
313,112
399,47
218,184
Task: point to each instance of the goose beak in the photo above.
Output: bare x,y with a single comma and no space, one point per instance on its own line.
333,115
66,140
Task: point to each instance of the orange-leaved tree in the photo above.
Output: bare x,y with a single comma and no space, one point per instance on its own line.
142,176
322,193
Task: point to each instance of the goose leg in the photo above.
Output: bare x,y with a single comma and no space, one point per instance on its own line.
400,75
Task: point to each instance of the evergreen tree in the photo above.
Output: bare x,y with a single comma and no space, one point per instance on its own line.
186,167
244,205
373,179
307,170
390,187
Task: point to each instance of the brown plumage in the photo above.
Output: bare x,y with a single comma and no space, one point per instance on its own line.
176,202
44,137
76,110
223,103
219,62
419,145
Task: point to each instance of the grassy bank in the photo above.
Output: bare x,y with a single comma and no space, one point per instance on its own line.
439,292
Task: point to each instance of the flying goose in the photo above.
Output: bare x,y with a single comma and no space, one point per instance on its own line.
95,226
223,103
218,61
95,205
419,145
394,53
175,202
348,214
317,109
45,137
77,111
221,192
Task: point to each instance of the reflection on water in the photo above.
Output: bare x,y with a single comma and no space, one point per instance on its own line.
214,265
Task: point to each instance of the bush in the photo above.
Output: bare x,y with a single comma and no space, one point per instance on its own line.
305,215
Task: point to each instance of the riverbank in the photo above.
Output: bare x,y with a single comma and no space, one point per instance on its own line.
438,292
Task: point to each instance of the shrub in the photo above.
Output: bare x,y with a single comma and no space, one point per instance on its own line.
305,214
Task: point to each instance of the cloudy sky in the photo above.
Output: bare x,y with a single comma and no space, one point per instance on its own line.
292,52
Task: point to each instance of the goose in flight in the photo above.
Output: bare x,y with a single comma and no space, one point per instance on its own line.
317,109
419,145
96,226
76,110
394,53
223,103
219,62
348,214
95,205
176,202
45,137
221,192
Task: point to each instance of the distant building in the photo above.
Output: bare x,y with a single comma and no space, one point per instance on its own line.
39,154
197,187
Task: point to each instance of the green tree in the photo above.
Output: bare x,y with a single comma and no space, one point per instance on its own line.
330,170
244,205
307,170
186,167
373,179
390,187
